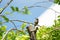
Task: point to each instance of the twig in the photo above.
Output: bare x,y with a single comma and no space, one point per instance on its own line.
43,2
13,24
6,6
31,6
8,32
24,22
43,7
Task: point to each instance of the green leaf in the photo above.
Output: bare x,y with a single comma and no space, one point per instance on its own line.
56,1
1,9
23,25
26,11
17,9
59,3
59,16
7,12
13,8
3,28
5,18
0,22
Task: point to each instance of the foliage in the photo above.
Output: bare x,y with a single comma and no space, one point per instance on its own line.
24,11
57,21
57,1
23,26
5,18
49,33
43,33
15,9
2,31
1,9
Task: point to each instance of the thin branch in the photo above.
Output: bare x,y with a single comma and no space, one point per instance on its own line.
12,0
43,7
10,21
8,32
6,6
30,6
13,24
21,21
43,2
24,22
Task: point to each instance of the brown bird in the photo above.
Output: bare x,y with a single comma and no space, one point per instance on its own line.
36,22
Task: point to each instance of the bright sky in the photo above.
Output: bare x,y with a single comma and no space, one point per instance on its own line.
35,12
48,17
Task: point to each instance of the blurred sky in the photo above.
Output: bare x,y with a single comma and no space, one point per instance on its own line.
35,12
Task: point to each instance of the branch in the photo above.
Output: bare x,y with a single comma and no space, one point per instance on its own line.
43,2
13,24
24,22
8,32
43,7
21,21
10,21
6,6
12,0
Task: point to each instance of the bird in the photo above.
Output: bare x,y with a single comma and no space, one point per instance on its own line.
36,22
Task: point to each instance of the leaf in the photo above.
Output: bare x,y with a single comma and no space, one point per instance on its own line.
13,8
5,18
23,25
0,22
22,37
59,20
59,3
59,16
26,11
56,1
17,9
1,9
3,28
7,13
